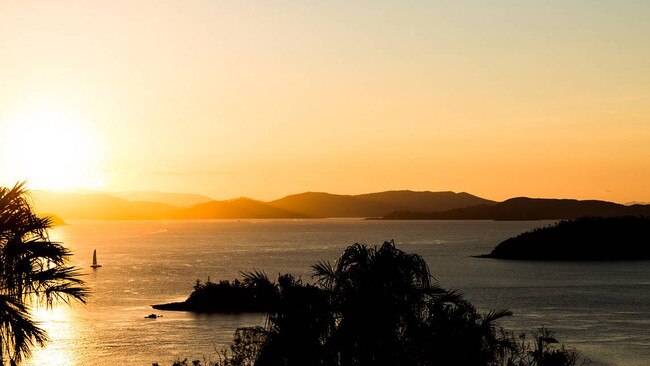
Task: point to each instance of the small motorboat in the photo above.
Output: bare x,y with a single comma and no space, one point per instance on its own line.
153,316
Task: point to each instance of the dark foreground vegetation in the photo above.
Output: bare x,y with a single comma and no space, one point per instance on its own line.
375,306
587,238
34,271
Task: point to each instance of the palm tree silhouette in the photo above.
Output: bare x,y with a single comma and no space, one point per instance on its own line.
390,312
376,306
455,333
379,295
298,326
33,270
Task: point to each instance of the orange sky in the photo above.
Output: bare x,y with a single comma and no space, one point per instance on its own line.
264,99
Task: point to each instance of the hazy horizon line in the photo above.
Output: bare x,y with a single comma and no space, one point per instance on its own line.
210,198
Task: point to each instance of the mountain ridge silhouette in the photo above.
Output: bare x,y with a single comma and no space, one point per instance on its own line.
525,208
106,206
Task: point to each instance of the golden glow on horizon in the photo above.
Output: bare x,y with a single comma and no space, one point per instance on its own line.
231,98
51,149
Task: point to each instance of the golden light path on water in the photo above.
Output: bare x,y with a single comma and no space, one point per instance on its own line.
56,322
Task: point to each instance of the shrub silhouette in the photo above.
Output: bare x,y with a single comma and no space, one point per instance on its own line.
377,306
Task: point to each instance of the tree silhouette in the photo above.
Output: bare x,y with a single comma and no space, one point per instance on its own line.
376,306
298,328
379,296
33,270
455,333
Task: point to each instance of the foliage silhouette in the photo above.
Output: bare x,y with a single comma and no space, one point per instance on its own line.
378,295
255,293
377,306
33,270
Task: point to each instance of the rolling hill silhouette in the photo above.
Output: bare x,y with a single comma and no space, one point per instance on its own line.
391,205
239,208
319,204
174,199
304,205
98,207
523,208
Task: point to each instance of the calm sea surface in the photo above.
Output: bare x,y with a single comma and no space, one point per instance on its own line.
601,308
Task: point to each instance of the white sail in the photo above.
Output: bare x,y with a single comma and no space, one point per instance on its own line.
95,265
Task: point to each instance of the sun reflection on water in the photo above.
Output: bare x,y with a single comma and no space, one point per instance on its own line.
57,323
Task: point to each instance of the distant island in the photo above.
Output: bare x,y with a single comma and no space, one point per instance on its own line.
524,208
389,205
583,239
246,296
118,206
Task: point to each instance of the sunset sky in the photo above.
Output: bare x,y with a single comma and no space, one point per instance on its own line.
268,98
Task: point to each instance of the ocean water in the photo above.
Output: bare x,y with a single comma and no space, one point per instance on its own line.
603,309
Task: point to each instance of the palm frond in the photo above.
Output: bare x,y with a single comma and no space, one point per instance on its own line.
32,269
324,273
495,315
256,279
19,332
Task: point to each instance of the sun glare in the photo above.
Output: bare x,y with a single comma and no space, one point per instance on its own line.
52,150
57,323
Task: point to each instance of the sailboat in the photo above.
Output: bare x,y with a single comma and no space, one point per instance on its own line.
95,265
